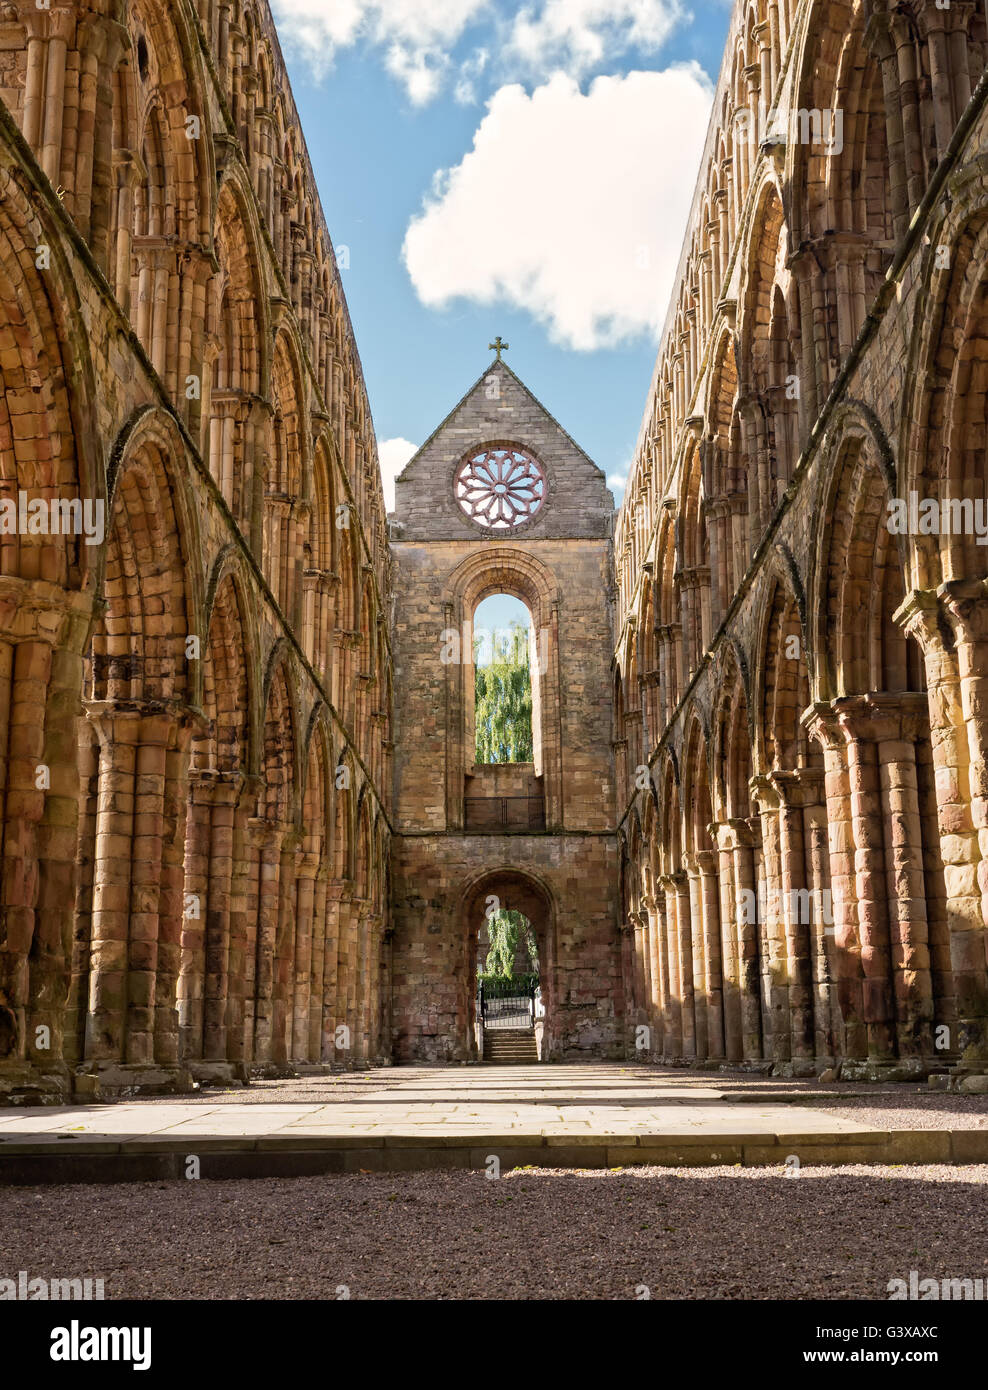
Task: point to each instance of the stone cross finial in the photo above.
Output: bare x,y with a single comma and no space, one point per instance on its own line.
498,347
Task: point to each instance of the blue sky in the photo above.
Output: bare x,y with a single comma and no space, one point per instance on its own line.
492,623
522,170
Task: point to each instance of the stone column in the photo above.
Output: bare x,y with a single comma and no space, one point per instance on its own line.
752,78
797,791
359,994
747,927
814,354
277,510
648,983
906,879
908,99
724,838
687,605
34,79
101,43
162,263
962,782
881,731
828,1030
306,949
129,172
766,796
651,696
229,1016
375,922
328,1015
951,850
318,970
224,901
137,894
721,212
258,444
321,587
821,724
266,128
879,39
345,641
267,837
346,983
701,1001
720,590
656,969
671,667
714,982
672,1018
387,977
685,953
61,32
872,906
753,462
43,630
639,921
192,968
285,949
949,91
192,346
627,961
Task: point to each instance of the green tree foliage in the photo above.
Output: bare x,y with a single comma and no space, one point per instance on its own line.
505,928
504,704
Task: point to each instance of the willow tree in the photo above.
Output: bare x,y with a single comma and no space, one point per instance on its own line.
504,703
505,929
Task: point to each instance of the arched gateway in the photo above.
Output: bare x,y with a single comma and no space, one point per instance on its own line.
525,894
500,501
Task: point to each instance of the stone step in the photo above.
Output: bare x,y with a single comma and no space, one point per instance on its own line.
511,1046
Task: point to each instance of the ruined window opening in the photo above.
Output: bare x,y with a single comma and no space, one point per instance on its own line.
505,682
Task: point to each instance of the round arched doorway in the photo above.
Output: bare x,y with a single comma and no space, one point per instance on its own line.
521,899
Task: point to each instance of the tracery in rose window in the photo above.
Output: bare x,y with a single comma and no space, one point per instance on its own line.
500,487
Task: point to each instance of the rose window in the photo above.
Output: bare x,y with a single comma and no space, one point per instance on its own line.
500,488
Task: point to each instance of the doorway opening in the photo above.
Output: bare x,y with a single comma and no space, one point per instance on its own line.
509,996
507,973
510,953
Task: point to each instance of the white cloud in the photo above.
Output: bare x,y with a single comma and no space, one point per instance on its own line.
393,455
471,68
417,41
618,482
416,38
569,205
580,35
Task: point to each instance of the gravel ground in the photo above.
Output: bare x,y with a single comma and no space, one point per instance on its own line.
913,1111
715,1233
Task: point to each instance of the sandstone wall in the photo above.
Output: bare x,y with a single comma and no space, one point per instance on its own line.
559,563
802,770
195,707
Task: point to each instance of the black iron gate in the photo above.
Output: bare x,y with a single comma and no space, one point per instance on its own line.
505,1005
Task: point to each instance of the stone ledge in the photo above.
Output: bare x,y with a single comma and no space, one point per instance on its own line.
33,1161
312,1143
98,1081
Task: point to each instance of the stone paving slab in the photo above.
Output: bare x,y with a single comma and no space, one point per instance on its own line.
577,1117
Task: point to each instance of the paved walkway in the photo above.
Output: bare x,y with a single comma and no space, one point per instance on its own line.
594,1116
